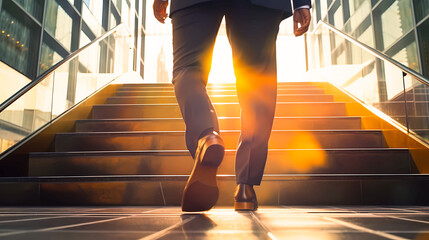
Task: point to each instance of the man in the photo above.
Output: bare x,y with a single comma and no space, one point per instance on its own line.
252,28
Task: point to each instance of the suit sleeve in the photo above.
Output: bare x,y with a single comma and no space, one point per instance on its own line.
300,3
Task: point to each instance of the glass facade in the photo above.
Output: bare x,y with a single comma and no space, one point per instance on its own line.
59,24
37,34
17,42
397,28
47,31
421,8
394,27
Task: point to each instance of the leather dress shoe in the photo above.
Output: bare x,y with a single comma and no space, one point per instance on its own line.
245,198
201,191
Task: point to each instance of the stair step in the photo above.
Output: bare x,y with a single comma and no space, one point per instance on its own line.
219,98
174,140
115,111
212,87
282,189
279,84
177,124
217,92
370,160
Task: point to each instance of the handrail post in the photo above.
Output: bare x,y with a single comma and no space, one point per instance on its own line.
404,74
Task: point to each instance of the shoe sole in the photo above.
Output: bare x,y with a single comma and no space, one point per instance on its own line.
201,191
244,206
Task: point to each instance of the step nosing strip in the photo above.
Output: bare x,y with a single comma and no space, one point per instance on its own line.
221,118
326,131
225,177
228,151
216,103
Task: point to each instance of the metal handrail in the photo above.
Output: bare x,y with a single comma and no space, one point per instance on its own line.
40,78
376,53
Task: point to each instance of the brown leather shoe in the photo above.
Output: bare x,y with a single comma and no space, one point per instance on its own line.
245,198
201,191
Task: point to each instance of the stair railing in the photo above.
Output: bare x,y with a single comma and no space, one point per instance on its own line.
372,77
64,85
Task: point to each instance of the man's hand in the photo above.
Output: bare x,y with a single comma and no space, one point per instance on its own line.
160,10
303,17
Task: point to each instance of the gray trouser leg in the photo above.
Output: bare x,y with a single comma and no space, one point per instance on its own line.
194,34
252,32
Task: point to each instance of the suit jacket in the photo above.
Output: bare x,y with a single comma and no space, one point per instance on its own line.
284,5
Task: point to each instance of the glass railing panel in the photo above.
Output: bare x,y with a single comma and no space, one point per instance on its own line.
9,87
66,86
391,84
374,80
417,107
27,114
86,77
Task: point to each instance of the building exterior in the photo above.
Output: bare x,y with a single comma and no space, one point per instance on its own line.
162,74
37,34
46,31
398,28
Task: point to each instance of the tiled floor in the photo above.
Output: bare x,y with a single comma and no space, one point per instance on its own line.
288,222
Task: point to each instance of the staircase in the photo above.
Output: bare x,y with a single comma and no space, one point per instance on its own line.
132,152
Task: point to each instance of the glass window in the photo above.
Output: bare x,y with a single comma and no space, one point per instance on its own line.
48,58
421,8
59,24
125,14
423,31
118,4
374,2
359,11
91,21
396,21
408,56
96,8
34,7
19,38
136,6
84,39
336,16
114,20
367,36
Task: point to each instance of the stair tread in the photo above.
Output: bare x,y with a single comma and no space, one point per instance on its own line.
212,84
225,131
290,94
185,152
227,177
218,103
171,110
152,119
315,89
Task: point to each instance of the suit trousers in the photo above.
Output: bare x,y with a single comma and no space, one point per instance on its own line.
252,32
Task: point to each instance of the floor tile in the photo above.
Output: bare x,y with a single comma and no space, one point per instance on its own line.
215,235
386,224
310,223
284,222
48,223
413,235
419,217
21,217
323,235
151,223
77,235
231,221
